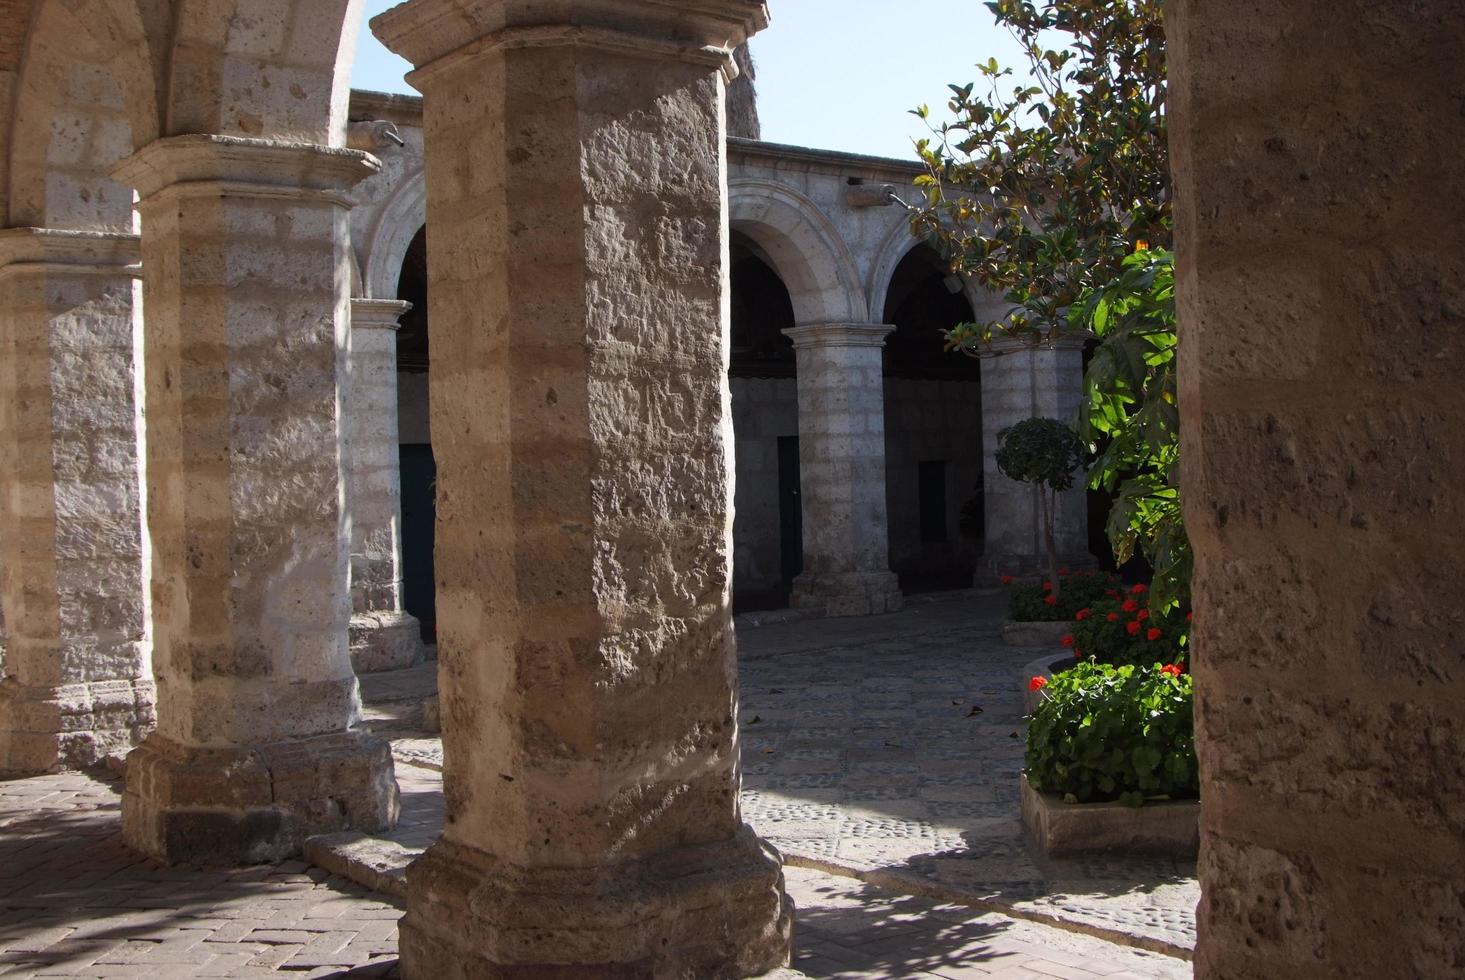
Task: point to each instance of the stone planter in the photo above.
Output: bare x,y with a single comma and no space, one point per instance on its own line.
1041,667
1059,829
1019,633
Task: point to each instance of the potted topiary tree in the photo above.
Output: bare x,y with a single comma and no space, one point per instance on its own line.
1044,452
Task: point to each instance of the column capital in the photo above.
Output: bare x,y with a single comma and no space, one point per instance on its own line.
377,314
432,34
839,334
1016,345
244,167
45,248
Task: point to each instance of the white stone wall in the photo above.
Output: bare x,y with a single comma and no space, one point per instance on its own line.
810,213
764,410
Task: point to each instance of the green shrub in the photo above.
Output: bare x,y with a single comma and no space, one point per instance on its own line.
1106,733
1028,602
1124,630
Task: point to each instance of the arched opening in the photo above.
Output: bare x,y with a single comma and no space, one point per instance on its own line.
768,523
418,469
933,429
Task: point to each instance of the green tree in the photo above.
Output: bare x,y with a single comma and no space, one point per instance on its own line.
1044,452
1055,194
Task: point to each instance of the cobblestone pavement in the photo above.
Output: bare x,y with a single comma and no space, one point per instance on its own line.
890,748
75,903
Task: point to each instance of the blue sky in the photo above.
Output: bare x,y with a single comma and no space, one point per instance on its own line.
834,74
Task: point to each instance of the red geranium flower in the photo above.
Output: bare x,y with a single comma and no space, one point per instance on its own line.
1187,617
1067,640
1037,683
1138,589
1051,600
1081,615
1077,652
1062,571
1172,670
1133,628
1113,617
1007,580
1152,634
1129,605
1047,586
1144,614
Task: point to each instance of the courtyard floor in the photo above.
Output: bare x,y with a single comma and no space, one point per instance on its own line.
881,756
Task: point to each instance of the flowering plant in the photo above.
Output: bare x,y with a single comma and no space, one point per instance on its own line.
1104,733
1112,631
1037,602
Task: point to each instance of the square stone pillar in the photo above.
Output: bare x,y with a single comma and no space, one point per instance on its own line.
582,428
383,637
246,284
77,676
1023,382
842,470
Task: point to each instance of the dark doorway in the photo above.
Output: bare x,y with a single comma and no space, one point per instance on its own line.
419,533
933,501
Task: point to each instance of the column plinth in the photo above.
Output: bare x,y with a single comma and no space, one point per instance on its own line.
246,285
842,470
383,636
77,683
582,431
1024,382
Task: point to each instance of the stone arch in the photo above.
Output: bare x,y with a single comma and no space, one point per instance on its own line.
86,97
897,244
277,69
805,248
396,225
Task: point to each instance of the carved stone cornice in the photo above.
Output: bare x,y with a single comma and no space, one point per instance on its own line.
245,167
47,250
839,334
433,34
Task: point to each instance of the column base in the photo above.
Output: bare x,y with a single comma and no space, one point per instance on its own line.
707,911
71,726
847,594
385,641
257,804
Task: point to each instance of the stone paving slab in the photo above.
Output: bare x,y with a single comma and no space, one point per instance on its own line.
75,903
889,748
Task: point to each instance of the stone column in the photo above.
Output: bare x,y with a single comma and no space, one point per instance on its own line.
246,285
582,428
1022,382
77,681
383,637
1320,287
842,470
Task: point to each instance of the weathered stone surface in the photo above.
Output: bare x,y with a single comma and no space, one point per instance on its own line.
77,684
1059,829
246,334
842,470
385,641
1322,474
230,806
581,430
